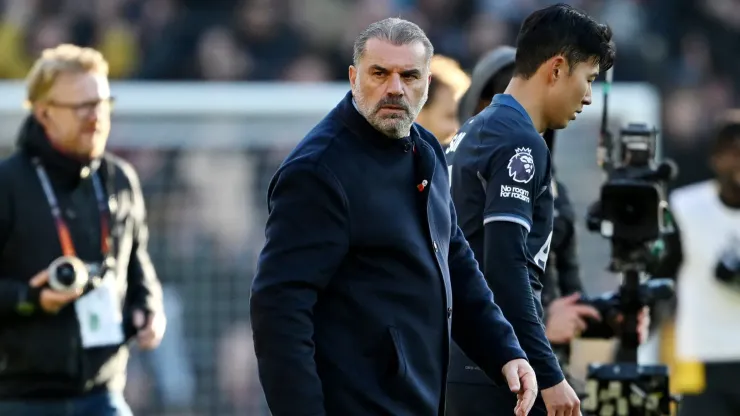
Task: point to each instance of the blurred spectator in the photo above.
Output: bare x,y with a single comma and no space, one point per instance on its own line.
271,41
219,57
308,68
439,114
237,372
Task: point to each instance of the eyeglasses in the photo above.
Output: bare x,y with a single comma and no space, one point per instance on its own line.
86,108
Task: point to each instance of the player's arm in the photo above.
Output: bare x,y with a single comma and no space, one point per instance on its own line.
670,264
507,219
478,325
307,236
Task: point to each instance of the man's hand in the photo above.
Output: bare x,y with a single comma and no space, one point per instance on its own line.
150,328
566,319
50,300
522,381
561,400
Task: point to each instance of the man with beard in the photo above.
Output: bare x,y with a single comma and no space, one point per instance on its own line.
363,264
704,255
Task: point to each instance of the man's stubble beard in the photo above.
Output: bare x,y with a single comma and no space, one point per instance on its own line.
394,126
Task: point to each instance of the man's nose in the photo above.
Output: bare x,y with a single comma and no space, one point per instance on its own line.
395,85
92,115
587,98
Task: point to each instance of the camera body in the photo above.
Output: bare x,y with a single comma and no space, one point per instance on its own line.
632,204
70,274
632,213
609,304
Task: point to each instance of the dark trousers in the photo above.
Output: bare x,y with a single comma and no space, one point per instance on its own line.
97,404
485,400
721,397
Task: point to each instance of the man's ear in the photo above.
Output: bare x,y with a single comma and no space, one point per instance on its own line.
558,68
40,112
352,76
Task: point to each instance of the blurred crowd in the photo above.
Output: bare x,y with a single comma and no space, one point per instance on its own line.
685,47
205,366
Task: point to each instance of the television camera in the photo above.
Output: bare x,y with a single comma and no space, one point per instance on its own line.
632,213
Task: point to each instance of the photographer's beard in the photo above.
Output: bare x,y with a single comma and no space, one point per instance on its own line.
392,115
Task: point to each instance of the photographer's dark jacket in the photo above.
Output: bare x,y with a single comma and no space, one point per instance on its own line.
41,354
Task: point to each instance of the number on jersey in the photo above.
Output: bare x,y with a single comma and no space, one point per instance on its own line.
543,254
456,139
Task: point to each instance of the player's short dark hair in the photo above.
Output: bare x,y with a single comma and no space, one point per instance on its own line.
727,133
561,29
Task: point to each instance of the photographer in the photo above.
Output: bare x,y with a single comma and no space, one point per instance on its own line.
64,328
704,254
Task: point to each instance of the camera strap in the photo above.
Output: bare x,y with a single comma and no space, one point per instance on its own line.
65,238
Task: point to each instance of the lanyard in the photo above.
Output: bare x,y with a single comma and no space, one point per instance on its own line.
65,238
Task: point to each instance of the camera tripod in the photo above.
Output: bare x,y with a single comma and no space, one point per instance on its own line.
627,388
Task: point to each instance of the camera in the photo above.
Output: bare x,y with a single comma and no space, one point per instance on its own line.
631,210
609,304
633,214
70,274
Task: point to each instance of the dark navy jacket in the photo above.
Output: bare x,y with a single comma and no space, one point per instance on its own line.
352,304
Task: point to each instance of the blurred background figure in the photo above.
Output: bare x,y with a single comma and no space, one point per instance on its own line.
704,257
71,302
206,151
439,114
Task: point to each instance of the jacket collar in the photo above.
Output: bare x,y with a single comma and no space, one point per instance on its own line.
33,141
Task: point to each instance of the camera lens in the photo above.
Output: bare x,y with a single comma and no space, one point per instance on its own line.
631,213
66,274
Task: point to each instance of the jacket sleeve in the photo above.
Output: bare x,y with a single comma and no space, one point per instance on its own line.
16,297
478,325
307,237
144,289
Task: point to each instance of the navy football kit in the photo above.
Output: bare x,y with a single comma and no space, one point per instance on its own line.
500,175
